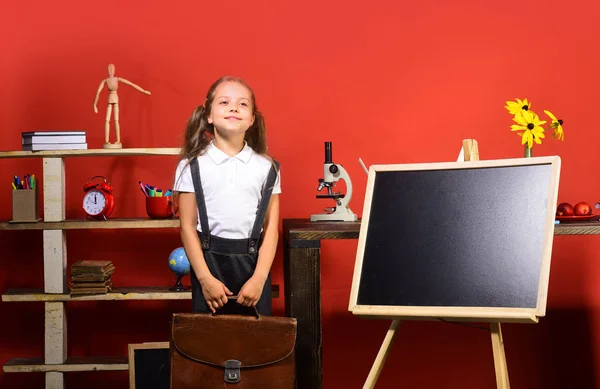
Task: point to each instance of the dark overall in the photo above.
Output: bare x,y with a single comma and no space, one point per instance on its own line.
231,261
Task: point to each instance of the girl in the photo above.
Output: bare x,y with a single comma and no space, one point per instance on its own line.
228,191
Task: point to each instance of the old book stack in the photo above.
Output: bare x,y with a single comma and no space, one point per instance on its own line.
91,277
53,140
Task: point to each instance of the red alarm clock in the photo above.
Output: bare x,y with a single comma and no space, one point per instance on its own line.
98,201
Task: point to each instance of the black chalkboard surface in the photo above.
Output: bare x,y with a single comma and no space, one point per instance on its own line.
149,366
468,240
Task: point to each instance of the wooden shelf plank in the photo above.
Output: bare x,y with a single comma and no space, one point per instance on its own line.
303,229
80,224
90,153
134,293
35,365
578,228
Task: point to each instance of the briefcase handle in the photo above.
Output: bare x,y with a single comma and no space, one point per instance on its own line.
235,298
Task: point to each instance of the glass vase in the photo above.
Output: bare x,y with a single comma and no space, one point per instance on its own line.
528,151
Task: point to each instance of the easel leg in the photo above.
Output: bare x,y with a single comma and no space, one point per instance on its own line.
381,356
502,381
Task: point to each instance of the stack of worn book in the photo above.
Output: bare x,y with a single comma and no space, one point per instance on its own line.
53,140
91,277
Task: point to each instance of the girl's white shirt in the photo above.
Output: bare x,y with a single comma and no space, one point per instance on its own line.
232,188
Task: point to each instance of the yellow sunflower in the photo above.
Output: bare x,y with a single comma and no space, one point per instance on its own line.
531,125
518,106
557,125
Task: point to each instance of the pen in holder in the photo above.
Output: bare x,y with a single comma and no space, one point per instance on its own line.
159,205
25,206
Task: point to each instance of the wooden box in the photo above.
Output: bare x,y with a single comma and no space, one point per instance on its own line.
25,206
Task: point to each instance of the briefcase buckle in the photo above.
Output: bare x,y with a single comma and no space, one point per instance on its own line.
232,371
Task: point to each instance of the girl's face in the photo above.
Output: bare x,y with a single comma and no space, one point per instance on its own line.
231,112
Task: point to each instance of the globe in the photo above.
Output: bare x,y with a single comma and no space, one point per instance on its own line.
180,265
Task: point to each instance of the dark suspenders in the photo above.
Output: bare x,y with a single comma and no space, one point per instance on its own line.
260,214
205,234
262,208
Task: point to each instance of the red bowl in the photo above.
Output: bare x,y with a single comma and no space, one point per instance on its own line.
160,207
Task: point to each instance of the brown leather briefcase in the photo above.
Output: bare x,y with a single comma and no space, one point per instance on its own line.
232,351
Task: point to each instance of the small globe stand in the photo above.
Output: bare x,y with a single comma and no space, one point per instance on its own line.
178,287
180,266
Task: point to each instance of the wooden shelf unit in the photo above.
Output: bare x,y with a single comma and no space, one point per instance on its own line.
90,153
80,224
55,293
121,294
124,294
35,365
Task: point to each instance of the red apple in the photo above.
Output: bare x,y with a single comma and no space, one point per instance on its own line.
565,209
582,209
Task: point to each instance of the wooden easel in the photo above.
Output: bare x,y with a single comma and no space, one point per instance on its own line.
470,151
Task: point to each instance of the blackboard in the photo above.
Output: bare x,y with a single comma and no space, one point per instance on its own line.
149,366
457,240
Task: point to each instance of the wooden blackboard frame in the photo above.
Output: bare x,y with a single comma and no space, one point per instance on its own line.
131,355
480,314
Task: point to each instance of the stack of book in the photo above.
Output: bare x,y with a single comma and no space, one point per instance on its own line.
53,140
91,277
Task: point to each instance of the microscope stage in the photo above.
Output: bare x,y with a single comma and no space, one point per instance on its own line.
330,196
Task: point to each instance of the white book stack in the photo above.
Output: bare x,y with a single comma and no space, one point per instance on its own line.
53,140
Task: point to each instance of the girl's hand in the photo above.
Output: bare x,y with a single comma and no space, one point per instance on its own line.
215,293
251,292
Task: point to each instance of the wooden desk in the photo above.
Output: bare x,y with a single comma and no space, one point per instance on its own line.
302,284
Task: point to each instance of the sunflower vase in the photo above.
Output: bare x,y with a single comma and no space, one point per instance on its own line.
530,127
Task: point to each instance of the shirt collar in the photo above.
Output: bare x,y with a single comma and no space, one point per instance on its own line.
219,157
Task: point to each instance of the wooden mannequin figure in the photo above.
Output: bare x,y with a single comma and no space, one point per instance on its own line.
112,84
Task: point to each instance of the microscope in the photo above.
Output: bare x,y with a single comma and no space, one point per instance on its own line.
331,174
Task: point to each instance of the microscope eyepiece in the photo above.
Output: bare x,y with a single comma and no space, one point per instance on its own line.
328,152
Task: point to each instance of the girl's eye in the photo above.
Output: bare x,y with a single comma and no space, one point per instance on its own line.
223,102
244,104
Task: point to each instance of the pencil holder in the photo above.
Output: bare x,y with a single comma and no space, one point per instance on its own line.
25,206
159,207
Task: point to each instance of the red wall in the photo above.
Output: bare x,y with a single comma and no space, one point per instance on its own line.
387,81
